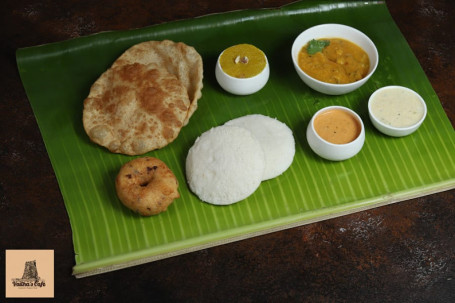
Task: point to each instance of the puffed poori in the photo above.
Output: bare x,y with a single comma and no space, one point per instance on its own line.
144,99
135,108
177,58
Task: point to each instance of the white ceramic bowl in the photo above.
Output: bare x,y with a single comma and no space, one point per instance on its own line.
334,31
391,130
242,86
331,151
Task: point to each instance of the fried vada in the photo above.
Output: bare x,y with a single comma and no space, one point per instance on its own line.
146,185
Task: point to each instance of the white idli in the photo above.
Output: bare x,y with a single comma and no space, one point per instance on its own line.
225,165
275,138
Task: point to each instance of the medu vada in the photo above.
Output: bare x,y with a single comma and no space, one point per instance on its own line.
146,185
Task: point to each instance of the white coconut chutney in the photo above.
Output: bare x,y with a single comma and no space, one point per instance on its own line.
397,106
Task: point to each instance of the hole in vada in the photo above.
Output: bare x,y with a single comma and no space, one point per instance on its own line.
149,169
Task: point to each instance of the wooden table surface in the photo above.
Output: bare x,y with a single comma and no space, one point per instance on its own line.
403,252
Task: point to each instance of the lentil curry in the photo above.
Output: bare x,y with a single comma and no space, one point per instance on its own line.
242,61
340,62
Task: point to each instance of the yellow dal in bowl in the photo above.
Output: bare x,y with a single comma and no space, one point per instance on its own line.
242,61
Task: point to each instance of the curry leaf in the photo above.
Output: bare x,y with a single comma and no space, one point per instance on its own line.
315,46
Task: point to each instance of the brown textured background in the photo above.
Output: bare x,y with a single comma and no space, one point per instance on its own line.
398,253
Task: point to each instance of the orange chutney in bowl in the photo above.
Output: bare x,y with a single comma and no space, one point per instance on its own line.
337,126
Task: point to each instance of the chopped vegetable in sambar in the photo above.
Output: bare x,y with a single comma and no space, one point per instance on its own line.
339,62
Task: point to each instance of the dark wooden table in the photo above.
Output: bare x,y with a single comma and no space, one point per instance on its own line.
404,252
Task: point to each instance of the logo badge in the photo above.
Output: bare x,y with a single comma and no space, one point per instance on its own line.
29,273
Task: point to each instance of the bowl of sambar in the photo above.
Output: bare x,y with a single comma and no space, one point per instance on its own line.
334,59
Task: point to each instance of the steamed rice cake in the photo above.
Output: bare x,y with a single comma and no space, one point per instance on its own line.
225,165
275,138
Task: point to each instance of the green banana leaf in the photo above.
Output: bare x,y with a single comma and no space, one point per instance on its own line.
108,236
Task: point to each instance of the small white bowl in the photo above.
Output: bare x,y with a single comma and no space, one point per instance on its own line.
332,151
242,86
391,91
334,31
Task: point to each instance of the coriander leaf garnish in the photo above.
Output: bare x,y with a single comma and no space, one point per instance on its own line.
315,46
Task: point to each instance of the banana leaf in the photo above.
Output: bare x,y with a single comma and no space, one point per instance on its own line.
108,236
